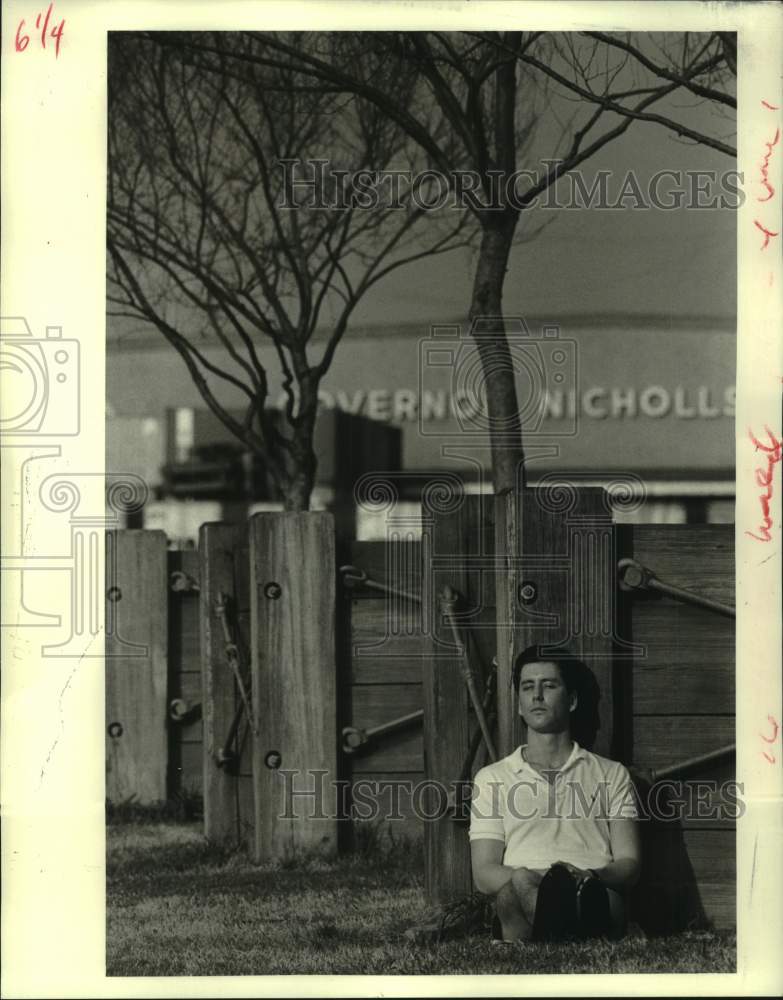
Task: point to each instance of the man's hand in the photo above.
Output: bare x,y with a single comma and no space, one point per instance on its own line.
578,873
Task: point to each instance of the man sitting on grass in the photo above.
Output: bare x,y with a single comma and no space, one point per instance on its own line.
553,833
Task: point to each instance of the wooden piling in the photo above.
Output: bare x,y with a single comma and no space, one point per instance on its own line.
457,552
292,558
136,667
556,588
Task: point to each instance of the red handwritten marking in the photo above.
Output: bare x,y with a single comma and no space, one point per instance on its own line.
764,479
22,41
46,24
769,756
767,233
772,107
775,730
765,167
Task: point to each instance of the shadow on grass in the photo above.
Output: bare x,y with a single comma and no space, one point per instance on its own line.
177,905
151,859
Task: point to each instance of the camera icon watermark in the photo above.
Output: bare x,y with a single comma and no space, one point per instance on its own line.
545,368
40,381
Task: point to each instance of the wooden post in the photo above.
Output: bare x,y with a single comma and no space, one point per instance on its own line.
292,559
136,667
556,587
222,550
457,551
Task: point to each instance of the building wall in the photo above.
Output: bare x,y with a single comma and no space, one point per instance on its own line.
648,397
603,393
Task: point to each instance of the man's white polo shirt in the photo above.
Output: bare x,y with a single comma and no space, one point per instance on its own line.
542,822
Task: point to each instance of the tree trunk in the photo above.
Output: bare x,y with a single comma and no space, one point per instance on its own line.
488,328
297,492
299,479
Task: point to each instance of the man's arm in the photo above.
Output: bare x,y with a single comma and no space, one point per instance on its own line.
622,872
489,872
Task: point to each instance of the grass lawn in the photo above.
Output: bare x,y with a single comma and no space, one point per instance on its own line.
179,907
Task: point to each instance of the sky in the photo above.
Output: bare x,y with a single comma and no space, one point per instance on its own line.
681,262
678,263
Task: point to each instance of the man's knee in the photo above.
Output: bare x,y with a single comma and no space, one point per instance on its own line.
518,895
525,884
523,878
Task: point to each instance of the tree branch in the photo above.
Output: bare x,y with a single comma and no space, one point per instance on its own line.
720,97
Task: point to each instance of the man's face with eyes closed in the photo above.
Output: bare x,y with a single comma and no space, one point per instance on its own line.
544,701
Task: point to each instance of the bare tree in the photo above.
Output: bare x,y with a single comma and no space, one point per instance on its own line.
488,92
201,247
612,71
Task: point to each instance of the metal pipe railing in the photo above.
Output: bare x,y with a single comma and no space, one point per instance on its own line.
355,737
232,655
226,754
181,582
182,711
353,576
449,598
634,576
694,763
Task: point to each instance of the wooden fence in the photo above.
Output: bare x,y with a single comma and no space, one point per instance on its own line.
327,657
680,692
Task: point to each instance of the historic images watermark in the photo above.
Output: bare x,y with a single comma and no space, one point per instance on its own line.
411,598
42,381
317,184
544,363
74,511
309,795
453,377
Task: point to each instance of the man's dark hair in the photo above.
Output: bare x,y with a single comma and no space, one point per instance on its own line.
578,679
570,667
